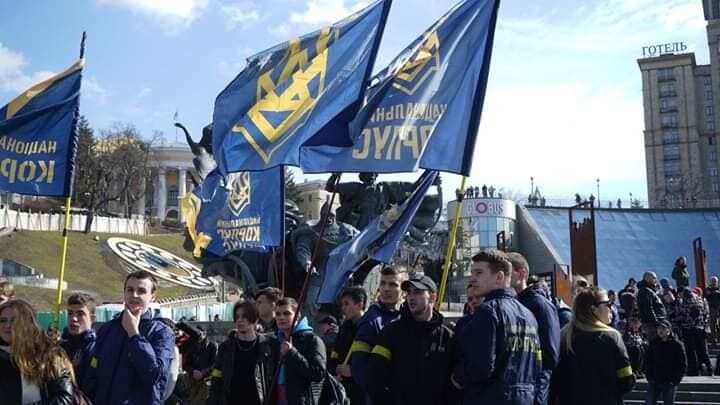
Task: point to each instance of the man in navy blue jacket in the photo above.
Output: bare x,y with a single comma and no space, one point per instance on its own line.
133,351
78,339
500,344
537,300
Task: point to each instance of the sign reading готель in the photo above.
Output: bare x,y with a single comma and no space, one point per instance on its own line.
663,49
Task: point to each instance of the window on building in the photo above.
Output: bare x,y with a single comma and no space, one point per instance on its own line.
709,110
713,171
710,125
668,105
708,95
707,80
667,90
671,152
669,121
712,156
711,140
671,168
665,74
671,137
715,187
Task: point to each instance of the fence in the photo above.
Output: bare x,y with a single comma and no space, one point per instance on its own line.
200,313
36,221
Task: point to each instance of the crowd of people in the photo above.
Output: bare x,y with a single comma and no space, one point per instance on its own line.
516,344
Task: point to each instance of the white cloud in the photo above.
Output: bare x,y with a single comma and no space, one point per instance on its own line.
240,15
325,11
280,30
93,90
144,92
230,69
173,15
13,79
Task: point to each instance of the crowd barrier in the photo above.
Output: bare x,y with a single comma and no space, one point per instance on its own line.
37,221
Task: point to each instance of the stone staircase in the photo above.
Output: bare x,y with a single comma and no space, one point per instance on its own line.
692,391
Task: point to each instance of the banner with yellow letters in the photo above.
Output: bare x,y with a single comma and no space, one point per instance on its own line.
38,136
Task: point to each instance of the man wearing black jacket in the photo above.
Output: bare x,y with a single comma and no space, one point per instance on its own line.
665,365
413,358
301,377
537,300
352,304
246,362
650,307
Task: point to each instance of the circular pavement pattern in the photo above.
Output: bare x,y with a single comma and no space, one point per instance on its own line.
160,263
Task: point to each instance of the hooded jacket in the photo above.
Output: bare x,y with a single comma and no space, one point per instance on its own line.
133,370
650,306
535,299
372,322
411,362
502,352
303,367
79,349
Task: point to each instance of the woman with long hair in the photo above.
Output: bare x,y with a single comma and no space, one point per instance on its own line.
594,366
33,369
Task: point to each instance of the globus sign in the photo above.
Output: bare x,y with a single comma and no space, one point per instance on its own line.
483,207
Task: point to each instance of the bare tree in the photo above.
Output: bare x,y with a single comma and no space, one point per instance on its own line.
681,192
112,167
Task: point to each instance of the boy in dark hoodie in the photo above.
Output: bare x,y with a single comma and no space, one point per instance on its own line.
78,339
665,365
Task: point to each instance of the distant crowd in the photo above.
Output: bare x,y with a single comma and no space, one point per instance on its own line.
516,344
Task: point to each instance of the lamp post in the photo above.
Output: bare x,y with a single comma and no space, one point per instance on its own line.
597,183
631,200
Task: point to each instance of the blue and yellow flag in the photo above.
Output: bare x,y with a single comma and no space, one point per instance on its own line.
243,210
38,136
288,93
423,110
378,241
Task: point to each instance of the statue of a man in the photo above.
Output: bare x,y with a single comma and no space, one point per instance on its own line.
305,239
361,202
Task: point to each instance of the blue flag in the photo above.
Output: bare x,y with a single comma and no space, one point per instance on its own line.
289,92
38,136
378,241
423,110
242,210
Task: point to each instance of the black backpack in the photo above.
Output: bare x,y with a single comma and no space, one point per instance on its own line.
333,392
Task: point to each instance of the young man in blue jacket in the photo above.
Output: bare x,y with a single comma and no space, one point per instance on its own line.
500,346
78,339
133,351
378,315
537,300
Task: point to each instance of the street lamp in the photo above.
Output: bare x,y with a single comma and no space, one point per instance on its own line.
597,182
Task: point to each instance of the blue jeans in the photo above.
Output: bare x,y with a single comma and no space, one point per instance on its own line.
655,390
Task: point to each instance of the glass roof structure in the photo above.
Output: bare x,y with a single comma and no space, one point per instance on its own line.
630,242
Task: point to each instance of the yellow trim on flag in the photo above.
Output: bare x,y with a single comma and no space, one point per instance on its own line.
624,372
382,351
20,101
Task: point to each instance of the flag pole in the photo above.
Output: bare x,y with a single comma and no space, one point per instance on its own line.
63,257
451,245
61,276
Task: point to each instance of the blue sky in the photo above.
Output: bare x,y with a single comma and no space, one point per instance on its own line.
563,105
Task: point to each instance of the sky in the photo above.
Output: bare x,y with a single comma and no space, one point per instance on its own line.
563,103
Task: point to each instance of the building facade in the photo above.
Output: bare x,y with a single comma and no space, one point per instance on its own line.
681,100
311,197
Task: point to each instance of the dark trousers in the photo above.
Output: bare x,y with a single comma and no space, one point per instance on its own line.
542,387
656,391
636,355
696,350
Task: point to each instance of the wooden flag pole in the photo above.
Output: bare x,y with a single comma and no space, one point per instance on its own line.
451,245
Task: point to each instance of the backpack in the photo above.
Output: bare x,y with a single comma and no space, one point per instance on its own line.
333,392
